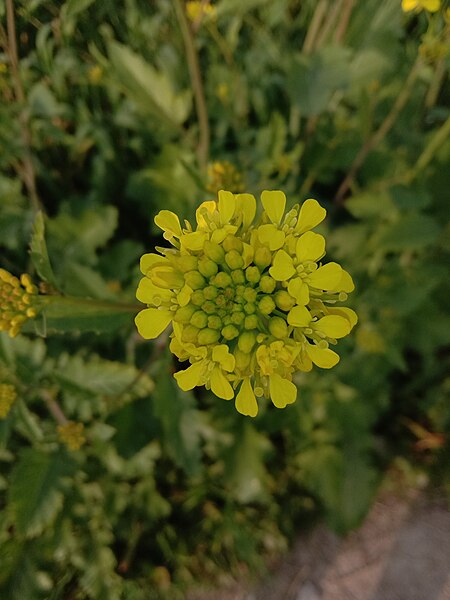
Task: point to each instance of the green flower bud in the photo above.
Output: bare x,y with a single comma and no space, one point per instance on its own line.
208,336
251,322
234,260
209,307
197,297
284,300
252,274
214,322
250,294
221,301
210,292
222,280
194,280
246,341
237,318
229,293
240,289
266,305
278,327
232,243
249,308
263,257
267,284
199,319
187,263
238,276
184,314
214,251
190,334
207,267
230,332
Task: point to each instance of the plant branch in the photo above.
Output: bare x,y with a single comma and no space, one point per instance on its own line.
27,171
380,133
54,408
197,85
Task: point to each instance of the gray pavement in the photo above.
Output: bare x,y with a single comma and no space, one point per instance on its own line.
401,552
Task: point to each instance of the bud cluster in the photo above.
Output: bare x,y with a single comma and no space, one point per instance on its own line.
250,303
71,434
8,395
17,301
224,175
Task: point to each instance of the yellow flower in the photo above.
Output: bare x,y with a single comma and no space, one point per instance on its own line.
250,300
196,9
71,434
224,175
8,395
418,5
95,74
18,301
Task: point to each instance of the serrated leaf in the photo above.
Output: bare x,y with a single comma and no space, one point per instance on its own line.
179,420
35,493
149,88
413,231
313,79
38,251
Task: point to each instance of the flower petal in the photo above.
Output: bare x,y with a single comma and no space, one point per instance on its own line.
274,203
333,326
282,391
326,277
322,357
193,241
431,5
311,214
310,246
247,205
220,385
168,221
190,377
148,260
227,206
246,400
282,267
299,316
345,284
221,354
271,235
151,322
184,295
149,293
408,5
348,313
299,290
209,207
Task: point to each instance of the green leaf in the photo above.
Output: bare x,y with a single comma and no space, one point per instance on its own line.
179,419
38,251
313,79
413,231
370,205
35,493
150,89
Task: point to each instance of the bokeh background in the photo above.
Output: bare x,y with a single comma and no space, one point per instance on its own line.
113,110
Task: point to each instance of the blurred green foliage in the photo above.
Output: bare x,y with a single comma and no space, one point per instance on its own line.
173,488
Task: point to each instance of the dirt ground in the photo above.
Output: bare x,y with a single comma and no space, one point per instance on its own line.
401,552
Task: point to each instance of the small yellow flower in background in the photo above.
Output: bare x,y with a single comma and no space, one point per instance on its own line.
3,68
250,301
196,9
8,395
418,5
369,340
17,301
224,175
95,74
223,92
71,434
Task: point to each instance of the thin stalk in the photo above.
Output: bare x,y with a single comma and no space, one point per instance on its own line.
28,174
341,28
314,27
197,85
380,133
54,408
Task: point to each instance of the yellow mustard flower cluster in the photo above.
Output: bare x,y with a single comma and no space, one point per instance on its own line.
71,434
17,301
250,302
223,175
196,9
418,5
8,395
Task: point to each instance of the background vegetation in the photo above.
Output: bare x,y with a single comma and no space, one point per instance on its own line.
112,110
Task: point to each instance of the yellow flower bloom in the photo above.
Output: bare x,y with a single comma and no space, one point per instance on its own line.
418,5
18,302
196,9
250,301
224,175
8,395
